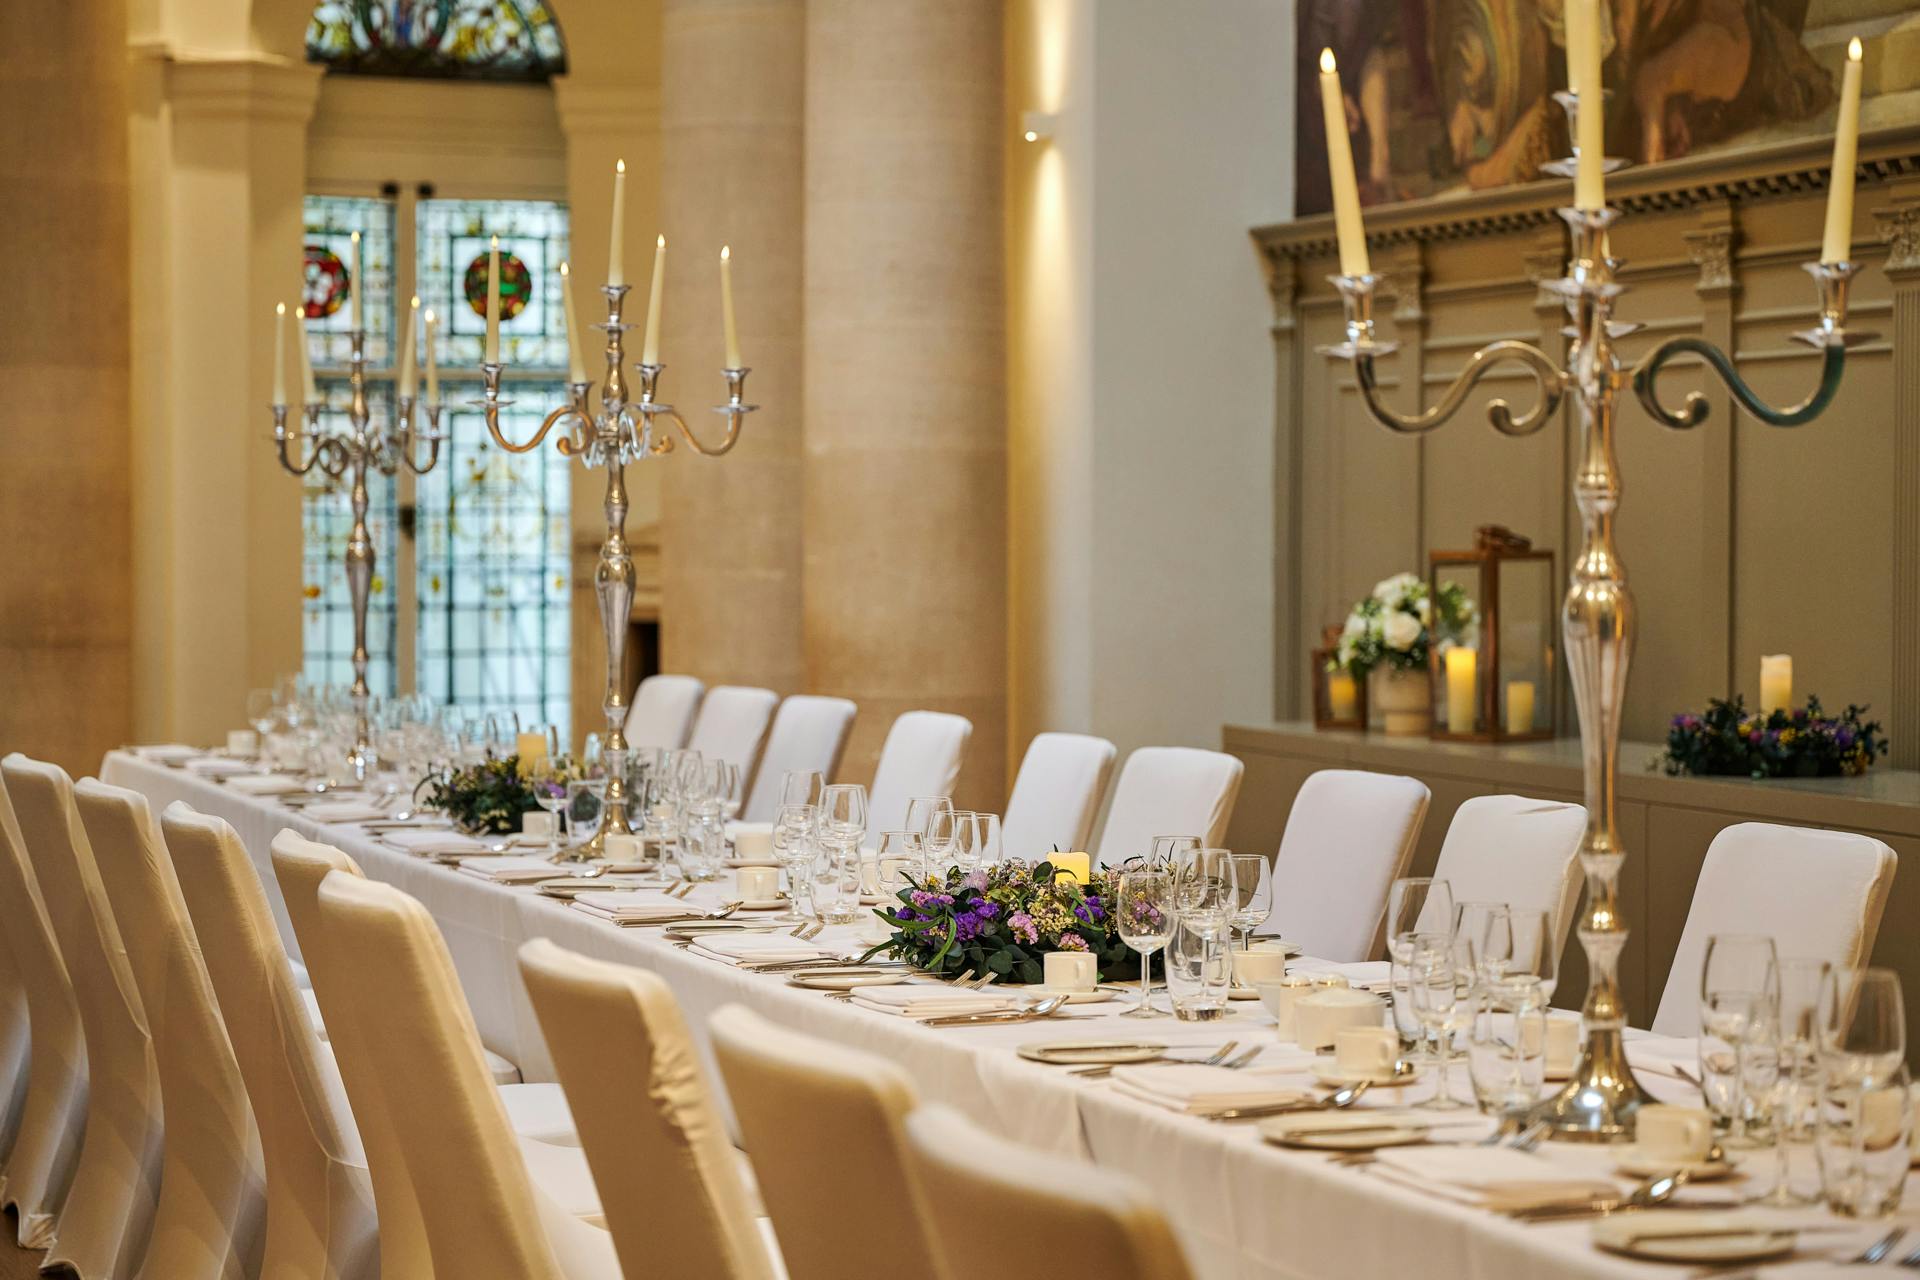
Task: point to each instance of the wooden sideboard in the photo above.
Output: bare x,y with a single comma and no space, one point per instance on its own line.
1666,823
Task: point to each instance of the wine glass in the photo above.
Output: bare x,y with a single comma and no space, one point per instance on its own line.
1205,890
1535,952
1441,975
901,854
730,791
801,786
1253,891
793,849
551,791
1865,1130
1166,850
939,841
1739,985
1415,905
1146,913
843,813
1862,1026
1480,924
967,836
989,833
920,811
585,808
260,712
1795,1032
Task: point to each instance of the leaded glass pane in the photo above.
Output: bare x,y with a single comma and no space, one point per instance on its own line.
454,239
327,290
326,521
478,39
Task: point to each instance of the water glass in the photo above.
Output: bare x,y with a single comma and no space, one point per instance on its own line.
836,881
585,808
1145,921
1795,1073
1441,977
1862,1142
1739,985
1199,972
1507,1047
793,849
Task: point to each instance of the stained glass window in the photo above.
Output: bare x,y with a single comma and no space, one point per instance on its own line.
454,239
476,39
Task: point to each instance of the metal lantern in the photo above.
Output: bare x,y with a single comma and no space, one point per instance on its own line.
1339,697
1494,634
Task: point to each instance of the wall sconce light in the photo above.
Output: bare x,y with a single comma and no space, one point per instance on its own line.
1037,126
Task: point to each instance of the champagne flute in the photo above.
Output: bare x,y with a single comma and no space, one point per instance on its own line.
1146,915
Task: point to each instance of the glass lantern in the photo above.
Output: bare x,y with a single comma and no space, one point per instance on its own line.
1494,640
1339,700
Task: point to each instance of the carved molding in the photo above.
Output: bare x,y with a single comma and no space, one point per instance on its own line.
1283,287
1900,228
1711,249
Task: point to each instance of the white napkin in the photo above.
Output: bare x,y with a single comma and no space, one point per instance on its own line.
760,947
1661,1055
930,1001
1200,1090
1365,974
517,869
176,753
265,784
220,767
1495,1177
1333,1121
430,843
632,908
344,811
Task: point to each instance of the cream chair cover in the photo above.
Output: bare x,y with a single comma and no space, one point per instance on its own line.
1169,791
809,732
662,711
976,1188
320,1208
732,724
675,1200
484,1217
1817,893
822,1124
103,1226
1062,780
33,1179
1349,836
15,1033
208,1222
1522,852
921,757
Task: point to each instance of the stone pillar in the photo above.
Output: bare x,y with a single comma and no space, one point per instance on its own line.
1900,227
732,101
906,510
65,642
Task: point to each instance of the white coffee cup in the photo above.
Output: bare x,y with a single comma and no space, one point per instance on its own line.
243,744
539,824
1280,996
1365,1052
622,847
1070,970
1251,968
1666,1132
1563,1044
1318,1018
756,884
753,840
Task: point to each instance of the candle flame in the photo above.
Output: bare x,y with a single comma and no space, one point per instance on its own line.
496,242
430,319
563,268
619,166
1853,49
660,243
416,302
279,308
1326,62
726,251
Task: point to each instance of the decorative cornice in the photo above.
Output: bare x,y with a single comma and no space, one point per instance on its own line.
1283,286
1711,249
1900,228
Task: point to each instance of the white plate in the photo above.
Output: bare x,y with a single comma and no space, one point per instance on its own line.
737,863
1656,1238
765,904
1093,1052
1345,1139
1326,1072
845,981
1634,1162
1099,995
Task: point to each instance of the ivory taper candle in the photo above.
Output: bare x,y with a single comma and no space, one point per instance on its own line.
493,302
1776,682
1462,682
576,359
616,249
726,308
407,378
279,353
650,349
1582,19
433,359
1837,244
307,389
1347,226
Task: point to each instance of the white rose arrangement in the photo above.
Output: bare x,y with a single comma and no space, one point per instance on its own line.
1395,625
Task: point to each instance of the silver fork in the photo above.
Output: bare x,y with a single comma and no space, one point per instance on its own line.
1213,1059
1529,1138
1880,1248
1241,1059
1912,1260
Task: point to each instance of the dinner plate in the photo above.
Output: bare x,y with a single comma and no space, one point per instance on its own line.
765,904
1093,1052
1631,1160
1326,1072
1344,1140
1685,1235
569,887
846,981
1099,995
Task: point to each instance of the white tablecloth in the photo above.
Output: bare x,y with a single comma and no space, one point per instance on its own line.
1245,1210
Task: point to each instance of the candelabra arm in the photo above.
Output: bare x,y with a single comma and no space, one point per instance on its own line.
328,453
405,443
1694,411
735,411
1551,381
575,411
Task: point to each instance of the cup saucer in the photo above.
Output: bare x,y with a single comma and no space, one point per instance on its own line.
1632,1160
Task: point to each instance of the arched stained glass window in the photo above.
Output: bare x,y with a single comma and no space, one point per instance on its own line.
473,39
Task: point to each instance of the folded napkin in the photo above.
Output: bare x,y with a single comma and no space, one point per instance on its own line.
343,811
1665,1056
168,752
517,869
434,843
928,1001
1201,1090
265,784
220,767
760,948
1333,1121
1363,974
629,908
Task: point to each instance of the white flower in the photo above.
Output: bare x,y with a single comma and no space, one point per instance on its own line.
1424,608
1401,630
1356,626
1389,590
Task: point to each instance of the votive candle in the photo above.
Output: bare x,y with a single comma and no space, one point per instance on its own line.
1776,682
1519,706
1462,680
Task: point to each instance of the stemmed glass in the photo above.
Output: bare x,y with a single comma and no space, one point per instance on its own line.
1865,1131
1206,893
731,791
901,853
968,840
551,791
988,825
1441,975
1415,905
1794,1030
939,840
793,848
843,829
1145,904
801,786
920,811
1253,891
1485,928
1862,1026
1739,987
261,713
1167,850
1533,952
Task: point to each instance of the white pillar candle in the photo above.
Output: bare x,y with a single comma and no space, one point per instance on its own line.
576,361
1343,696
407,372
1346,191
726,308
616,250
1584,44
493,302
650,349
354,291
307,389
1519,706
1462,668
1776,683
1837,244
279,353
433,360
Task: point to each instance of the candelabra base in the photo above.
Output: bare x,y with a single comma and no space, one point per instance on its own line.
360,761
1597,1104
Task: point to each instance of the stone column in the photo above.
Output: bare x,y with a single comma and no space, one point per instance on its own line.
732,98
906,510
1900,227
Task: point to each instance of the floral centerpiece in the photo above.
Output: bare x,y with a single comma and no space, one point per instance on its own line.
485,797
1393,631
1729,741
1004,919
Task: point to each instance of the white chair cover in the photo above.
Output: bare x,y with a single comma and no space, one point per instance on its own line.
33,1179
1349,836
1057,794
809,732
1820,894
675,1200
1169,791
320,1208
662,711
732,724
483,1215
103,1226
798,1100
974,1186
1518,851
208,1220
15,1039
921,757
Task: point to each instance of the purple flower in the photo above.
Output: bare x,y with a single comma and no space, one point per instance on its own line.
1072,942
976,881
1022,925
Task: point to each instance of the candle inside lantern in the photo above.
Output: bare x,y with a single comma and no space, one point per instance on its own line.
1519,706
726,308
1074,866
650,349
1462,680
407,378
576,361
1582,19
354,291
1836,245
307,388
493,302
433,360
1346,190
616,250
532,749
1776,683
1343,696
279,353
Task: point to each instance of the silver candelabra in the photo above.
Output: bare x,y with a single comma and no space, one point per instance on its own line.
350,453
1600,1098
621,432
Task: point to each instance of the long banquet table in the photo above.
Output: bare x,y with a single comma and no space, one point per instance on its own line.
1245,1210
